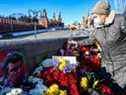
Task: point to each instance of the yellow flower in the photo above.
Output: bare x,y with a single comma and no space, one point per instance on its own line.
52,90
62,64
63,92
95,84
84,83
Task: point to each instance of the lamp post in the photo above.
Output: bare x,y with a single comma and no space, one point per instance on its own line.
35,29
34,14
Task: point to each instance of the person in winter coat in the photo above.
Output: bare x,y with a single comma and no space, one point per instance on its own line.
110,32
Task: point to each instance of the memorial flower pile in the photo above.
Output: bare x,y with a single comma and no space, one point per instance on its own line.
77,78
74,70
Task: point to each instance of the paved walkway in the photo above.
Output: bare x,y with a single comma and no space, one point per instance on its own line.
49,35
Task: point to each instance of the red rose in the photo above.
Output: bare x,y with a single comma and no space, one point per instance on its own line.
73,89
95,62
63,79
84,49
106,90
56,74
48,75
72,84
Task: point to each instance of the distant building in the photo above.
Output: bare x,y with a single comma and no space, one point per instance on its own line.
84,22
27,23
44,19
49,23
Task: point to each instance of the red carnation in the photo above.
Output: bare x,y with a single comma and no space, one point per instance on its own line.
73,89
84,49
56,74
73,84
106,90
63,79
95,62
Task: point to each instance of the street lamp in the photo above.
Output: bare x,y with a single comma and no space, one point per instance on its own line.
34,14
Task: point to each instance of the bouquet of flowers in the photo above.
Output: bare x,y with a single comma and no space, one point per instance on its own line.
90,56
92,81
67,80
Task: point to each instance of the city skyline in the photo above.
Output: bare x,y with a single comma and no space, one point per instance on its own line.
72,10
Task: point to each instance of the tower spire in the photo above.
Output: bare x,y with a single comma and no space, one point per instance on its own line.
54,16
60,17
44,13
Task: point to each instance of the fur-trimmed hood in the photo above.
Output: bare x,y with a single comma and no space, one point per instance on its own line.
110,19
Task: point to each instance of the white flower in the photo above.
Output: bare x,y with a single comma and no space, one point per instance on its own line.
39,87
15,91
87,53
